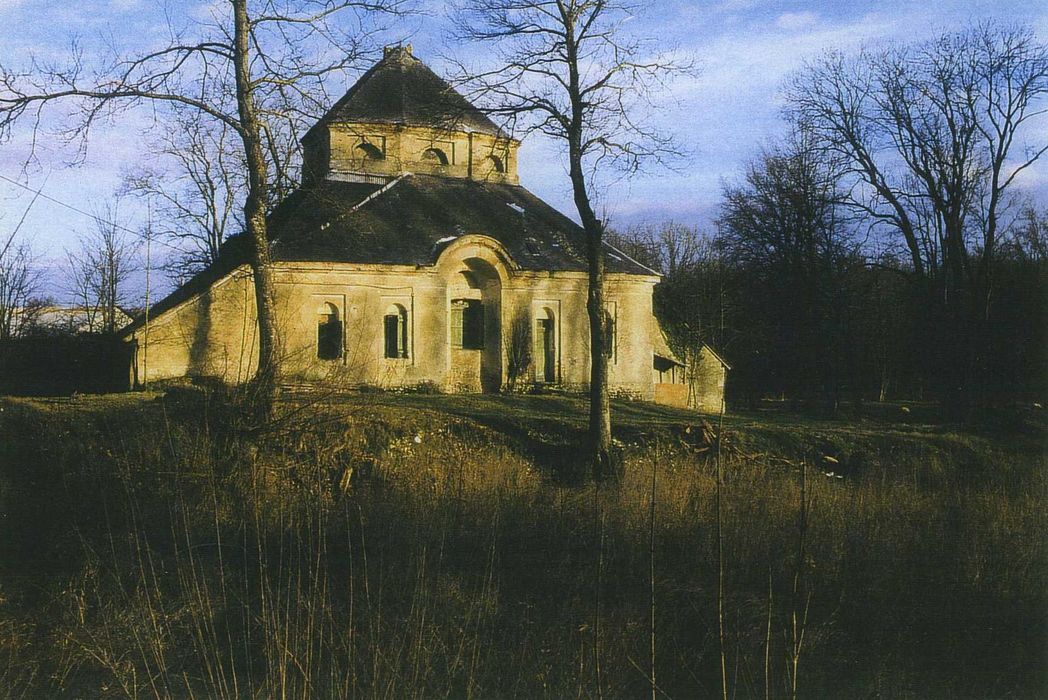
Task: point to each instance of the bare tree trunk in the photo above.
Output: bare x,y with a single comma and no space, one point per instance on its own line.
267,377
542,44
600,400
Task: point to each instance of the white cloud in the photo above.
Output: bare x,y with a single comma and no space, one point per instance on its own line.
738,5
209,11
746,66
796,21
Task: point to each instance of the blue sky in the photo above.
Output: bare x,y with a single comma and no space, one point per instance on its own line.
745,48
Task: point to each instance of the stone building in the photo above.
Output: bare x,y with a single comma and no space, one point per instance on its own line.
410,256
709,374
698,383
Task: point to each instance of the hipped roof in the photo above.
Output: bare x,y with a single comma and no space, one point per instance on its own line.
410,221
401,89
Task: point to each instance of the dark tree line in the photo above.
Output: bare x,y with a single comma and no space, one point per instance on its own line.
815,316
786,232
932,137
882,249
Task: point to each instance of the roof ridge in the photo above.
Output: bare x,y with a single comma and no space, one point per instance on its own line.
371,197
378,193
631,259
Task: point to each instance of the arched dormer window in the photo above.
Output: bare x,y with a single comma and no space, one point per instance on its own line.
395,326
368,151
329,333
435,156
495,164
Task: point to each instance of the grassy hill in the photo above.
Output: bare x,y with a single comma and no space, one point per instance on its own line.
423,545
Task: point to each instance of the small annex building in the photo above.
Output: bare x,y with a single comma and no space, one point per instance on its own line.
709,375
409,256
698,383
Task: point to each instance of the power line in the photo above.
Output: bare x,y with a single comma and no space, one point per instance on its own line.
94,217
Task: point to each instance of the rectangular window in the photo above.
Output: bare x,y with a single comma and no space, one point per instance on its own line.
395,332
392,333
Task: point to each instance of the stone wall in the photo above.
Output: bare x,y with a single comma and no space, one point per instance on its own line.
215,334
390,150
212,334
708,378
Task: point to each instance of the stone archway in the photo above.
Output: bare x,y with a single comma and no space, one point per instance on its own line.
475,325
475,269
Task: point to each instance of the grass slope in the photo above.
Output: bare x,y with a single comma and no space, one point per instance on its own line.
387,545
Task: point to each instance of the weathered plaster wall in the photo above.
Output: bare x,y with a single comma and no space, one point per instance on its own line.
403,148
214,334
670,394
708,378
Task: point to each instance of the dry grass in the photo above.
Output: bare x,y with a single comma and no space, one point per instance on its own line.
423,546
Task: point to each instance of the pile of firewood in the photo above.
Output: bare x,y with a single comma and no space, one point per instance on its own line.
702,439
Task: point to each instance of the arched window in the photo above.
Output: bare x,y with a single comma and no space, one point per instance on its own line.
368,151
435,156
495,163
329,333
395,325
467,324
545,354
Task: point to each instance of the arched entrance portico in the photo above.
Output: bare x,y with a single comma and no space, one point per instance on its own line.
474,268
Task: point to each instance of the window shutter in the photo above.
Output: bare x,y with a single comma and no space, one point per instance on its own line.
402,334
456,324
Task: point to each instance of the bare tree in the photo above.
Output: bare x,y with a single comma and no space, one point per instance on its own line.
19,289
933,136
1029,237
99,271
668,247
251,67
194,189
786,228
568,69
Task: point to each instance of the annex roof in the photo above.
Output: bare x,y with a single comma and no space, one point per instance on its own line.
401,89
716,355
660,344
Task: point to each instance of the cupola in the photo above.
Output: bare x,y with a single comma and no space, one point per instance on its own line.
402,117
